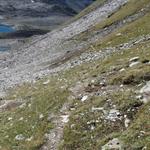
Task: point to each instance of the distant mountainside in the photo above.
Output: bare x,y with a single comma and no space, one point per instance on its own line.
43,8
38,14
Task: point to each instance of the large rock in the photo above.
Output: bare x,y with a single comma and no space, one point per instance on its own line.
145,91
114,144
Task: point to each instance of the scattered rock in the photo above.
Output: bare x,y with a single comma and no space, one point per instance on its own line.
78,89
113,115
134,64
84,98
126,122
21,119
22,106
46,82
97,109
29,139
139,97
121,70
134,59
41,116
19,137
145,91
65,118
118,34
113,144
10,118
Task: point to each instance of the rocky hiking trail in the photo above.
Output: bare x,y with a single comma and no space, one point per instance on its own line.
54,137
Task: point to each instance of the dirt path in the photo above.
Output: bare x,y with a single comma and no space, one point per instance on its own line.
54,137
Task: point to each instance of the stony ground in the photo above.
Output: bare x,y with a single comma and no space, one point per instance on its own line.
26,63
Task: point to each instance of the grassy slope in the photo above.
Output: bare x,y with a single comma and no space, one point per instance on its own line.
42,99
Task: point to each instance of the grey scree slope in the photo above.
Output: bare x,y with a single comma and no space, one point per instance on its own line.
27,63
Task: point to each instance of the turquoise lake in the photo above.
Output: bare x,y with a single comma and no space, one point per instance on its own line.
5,28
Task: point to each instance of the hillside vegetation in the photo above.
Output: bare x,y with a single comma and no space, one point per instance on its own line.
102,102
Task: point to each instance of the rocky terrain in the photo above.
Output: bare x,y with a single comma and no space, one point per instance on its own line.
34,17
84,85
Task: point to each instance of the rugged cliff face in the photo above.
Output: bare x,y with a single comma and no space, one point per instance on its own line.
85,85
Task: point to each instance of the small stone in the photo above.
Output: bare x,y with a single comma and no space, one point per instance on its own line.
121,70
65,118
113,144
121,85
139,97
126,122
10,118
134,59
84,98
19,137
92,81
21,119
145,91
29,105
113,115
92,127
97,108
29,139
134,64
22,106
46,82
118,34
41,116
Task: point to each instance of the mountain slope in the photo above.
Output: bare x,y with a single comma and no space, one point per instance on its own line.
98,96
38,14
41,8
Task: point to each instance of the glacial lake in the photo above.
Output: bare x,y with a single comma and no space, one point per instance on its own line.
5,28
4,48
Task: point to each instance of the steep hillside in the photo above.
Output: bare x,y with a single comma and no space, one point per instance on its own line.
84,86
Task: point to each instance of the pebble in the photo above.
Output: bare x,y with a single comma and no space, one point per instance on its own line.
29,139
145,91
41,116
121,70
19,137
46,82
10,118
65,118
126,122
113,144
97,108
84,98
113,115
21,119
134,64
134,59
